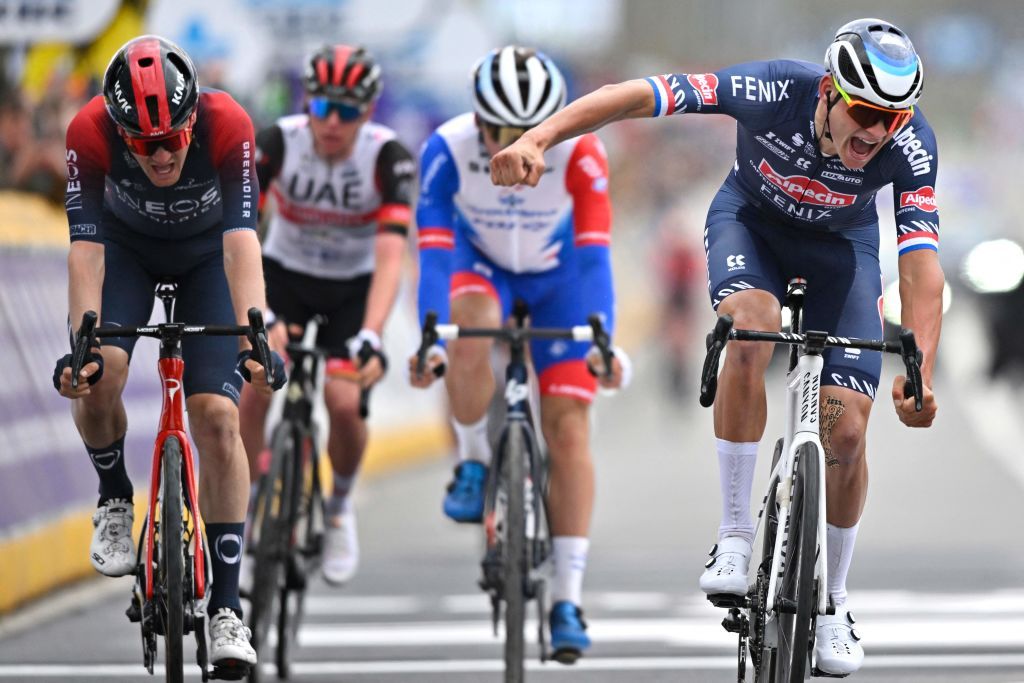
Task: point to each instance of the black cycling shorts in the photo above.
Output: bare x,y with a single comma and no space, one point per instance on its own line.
296,297
203,298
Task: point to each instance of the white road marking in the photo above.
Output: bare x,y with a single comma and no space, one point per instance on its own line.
336,668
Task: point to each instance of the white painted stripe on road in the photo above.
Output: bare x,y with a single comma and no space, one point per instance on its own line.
365,605
984,631
123,671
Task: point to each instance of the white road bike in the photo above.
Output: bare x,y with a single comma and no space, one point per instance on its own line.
775,619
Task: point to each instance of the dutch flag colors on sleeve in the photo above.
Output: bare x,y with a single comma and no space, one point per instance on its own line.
927,237
664,98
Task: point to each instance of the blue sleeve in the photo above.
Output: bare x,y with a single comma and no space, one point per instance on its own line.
598,292
756,94
435,220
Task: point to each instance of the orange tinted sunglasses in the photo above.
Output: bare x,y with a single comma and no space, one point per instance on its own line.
147,147
866,114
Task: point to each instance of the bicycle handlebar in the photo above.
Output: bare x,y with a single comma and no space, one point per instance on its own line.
724,332
88,333
593,331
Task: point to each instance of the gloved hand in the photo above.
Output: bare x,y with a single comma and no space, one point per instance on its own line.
368,372
622,369
437,362
276,362
62,380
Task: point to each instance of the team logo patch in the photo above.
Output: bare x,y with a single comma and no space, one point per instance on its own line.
706,86
922,198
803,189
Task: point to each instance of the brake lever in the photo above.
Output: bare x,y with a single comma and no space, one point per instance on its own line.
83,342
430,338
716,341
258,338
602,342
912,359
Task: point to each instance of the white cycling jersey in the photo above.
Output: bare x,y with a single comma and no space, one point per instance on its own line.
329,212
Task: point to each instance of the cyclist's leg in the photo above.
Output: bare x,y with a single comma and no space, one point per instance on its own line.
566,392
745,283
479,298
211,388
844,297
100,416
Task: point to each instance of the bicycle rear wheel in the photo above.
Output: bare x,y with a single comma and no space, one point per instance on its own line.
172,560
271,519
796,598
513,475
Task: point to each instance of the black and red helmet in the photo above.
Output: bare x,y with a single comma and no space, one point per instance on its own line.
345,73
150,87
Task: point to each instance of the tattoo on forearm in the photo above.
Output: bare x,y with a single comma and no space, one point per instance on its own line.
831,410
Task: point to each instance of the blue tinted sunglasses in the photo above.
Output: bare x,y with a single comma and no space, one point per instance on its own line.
321,107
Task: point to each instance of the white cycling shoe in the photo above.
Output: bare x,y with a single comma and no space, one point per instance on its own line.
837,650
726,571
112,550
229,640
341,549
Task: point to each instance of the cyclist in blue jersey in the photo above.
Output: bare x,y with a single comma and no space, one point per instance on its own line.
481,247
162,184
813,147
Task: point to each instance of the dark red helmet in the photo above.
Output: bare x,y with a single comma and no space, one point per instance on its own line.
343,72
150,87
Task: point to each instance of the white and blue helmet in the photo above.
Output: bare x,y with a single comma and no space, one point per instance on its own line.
516,86
875,61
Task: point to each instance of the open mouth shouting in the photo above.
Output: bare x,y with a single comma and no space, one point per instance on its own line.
862,147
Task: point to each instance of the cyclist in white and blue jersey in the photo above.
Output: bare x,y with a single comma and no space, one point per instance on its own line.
813,147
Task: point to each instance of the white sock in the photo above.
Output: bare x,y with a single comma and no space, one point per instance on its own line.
840,552
736,462
569,556
472,441
338,504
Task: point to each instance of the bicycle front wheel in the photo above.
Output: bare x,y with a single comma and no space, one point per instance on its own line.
271,520
513,472
796,598
172,558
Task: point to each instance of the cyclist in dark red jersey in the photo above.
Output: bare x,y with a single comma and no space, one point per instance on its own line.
162,184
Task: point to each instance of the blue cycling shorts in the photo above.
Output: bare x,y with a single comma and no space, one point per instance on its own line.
553,301
748,249
202,298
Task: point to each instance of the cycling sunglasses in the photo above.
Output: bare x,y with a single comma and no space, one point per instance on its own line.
321,107
504,135
147,147
866,114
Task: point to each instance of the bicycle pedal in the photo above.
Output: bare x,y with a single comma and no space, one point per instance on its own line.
728,600
230,670
134,612
818,673
566,655
735,621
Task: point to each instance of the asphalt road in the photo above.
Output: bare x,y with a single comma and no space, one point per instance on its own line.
937,581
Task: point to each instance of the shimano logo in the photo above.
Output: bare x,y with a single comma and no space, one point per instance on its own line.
179,89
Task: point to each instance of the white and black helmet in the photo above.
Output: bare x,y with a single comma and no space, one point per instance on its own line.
517,86
875,61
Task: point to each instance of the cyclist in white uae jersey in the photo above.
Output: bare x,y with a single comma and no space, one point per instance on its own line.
341,186
813,147
481,247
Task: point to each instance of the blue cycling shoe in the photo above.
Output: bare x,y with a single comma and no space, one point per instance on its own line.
465,499
568,632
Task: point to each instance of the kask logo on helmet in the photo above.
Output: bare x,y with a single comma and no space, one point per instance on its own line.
922,198
706,86
803,189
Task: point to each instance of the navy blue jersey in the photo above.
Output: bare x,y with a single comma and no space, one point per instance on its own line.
779,167
217,191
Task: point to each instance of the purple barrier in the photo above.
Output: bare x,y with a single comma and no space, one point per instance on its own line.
44,469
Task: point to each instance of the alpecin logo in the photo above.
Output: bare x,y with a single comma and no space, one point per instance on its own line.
922,198
803,189
706,86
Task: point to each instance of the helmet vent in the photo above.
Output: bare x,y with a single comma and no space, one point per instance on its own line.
848,70
178,62
145,62
153,108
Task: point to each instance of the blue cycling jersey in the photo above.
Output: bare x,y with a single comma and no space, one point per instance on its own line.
779,166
